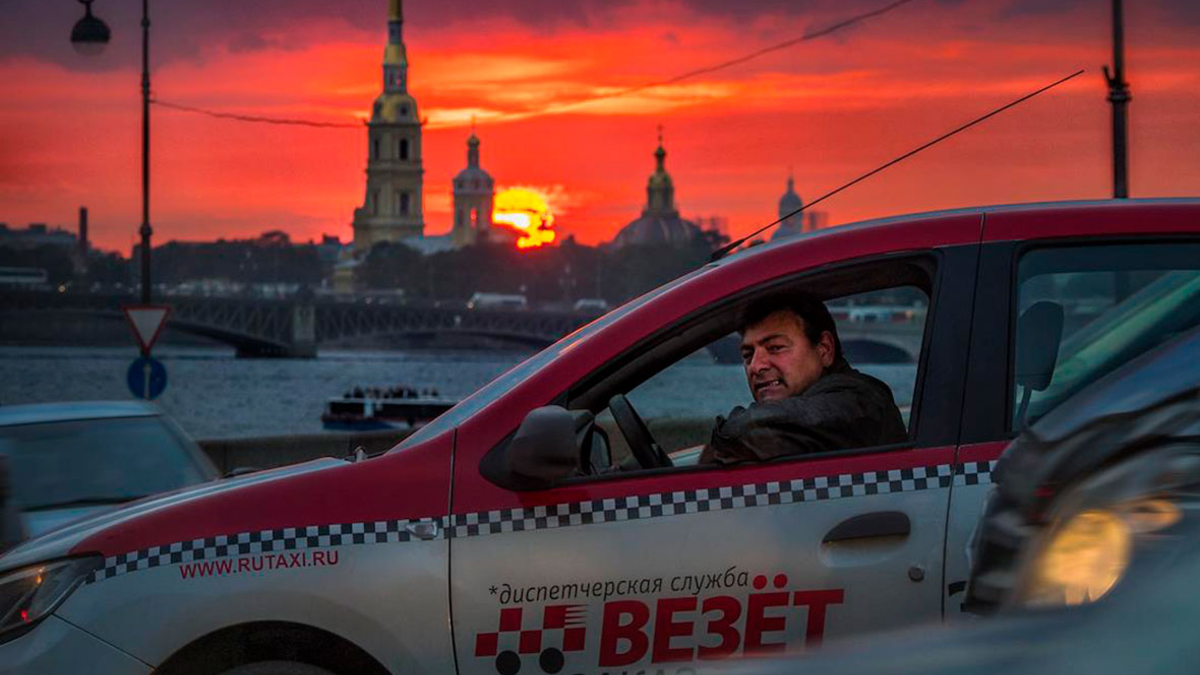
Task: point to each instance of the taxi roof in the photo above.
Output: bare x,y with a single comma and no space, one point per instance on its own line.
40,413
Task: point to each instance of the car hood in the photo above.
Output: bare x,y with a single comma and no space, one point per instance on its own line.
59,543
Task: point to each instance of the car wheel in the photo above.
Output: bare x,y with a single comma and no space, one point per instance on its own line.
277,668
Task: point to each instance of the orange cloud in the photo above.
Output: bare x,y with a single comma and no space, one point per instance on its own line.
831,108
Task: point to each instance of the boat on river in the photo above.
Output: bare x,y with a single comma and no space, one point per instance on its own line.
368,408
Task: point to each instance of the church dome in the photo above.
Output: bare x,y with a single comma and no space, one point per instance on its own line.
473,179
657,229
660,222
789,203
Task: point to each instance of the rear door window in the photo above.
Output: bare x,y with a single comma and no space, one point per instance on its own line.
1117,301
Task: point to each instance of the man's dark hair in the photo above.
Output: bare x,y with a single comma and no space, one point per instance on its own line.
816,316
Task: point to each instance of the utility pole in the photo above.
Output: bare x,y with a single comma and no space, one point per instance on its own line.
1118,96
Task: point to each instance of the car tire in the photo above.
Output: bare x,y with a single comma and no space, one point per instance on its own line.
277,668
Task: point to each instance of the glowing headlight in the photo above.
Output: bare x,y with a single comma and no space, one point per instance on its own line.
29,594
1085,556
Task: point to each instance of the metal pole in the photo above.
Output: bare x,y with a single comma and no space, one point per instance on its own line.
1119,97
145,229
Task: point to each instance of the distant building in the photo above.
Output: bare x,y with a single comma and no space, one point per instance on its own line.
660,222
37,234
806,221
392,206
474,200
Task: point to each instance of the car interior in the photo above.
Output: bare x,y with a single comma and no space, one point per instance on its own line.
625,439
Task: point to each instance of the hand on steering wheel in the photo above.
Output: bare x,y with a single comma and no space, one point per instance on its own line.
637,434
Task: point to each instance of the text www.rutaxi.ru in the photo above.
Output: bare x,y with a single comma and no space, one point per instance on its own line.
257,564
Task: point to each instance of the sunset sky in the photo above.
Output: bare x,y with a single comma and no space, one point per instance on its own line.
831,108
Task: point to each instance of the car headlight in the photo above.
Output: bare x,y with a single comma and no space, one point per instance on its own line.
1084,556
29,594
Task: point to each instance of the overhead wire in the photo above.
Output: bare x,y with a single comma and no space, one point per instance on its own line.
555,108
721,252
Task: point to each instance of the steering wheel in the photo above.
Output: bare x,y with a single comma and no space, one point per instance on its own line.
637,434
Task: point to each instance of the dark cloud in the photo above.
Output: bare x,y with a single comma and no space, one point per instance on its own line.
248,41
184,29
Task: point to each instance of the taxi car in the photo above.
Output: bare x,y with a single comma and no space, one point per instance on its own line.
543,526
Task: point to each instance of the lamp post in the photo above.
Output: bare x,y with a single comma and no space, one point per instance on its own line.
89,36
1118,96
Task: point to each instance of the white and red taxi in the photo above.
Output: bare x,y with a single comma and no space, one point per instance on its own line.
541,526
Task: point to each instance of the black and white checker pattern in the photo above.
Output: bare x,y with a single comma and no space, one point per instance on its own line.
698,501
974,473
571,514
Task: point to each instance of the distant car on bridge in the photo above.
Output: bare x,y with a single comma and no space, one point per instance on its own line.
591,305
497,301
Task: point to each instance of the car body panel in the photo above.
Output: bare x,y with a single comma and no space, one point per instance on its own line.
1100,219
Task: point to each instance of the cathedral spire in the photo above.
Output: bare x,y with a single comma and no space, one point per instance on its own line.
395,57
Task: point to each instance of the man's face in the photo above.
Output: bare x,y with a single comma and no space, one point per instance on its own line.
779,358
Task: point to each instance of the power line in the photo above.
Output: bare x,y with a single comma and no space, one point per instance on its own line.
721,252
845,23
258,118
554,108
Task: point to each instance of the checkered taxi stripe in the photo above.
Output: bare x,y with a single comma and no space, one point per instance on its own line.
821,488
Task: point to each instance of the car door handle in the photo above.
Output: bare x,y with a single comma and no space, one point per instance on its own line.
879,524
423,529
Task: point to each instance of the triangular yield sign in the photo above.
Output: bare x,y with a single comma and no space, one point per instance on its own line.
147,322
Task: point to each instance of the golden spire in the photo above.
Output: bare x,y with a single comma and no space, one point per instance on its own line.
396,11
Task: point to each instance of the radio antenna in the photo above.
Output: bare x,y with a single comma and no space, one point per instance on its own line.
724,250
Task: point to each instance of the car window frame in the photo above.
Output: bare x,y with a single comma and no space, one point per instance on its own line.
1018,252
936,265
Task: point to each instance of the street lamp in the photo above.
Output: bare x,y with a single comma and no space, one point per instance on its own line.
89,36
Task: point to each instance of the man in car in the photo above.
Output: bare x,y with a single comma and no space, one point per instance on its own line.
807,398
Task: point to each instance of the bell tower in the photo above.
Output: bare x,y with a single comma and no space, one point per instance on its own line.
392,205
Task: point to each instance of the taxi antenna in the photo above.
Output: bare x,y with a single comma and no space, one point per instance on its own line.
724,250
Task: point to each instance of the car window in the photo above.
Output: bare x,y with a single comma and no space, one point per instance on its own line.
1117,301
881,333
95,460
503,384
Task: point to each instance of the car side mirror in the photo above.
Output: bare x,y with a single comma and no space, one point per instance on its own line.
544,451
1039,335
1040,332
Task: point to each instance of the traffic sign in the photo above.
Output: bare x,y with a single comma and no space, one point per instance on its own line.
147,377
147,322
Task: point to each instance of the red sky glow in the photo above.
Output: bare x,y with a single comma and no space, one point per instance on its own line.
831,109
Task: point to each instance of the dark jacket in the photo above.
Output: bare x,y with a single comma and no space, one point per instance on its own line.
843,409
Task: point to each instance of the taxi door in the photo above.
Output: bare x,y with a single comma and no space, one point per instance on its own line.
664,571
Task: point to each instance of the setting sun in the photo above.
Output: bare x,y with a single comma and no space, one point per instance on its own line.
526,212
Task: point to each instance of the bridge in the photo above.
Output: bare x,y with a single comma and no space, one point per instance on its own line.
297,327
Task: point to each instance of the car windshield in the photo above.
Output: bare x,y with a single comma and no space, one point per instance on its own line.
506,382
95,461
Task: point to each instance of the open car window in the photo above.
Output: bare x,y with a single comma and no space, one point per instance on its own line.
881,333
679,383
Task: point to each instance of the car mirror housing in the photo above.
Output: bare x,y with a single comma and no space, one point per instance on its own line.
544,449
1040,328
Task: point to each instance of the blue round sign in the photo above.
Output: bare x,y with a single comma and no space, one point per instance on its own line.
147,377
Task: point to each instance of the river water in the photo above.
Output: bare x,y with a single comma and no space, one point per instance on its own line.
212,394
